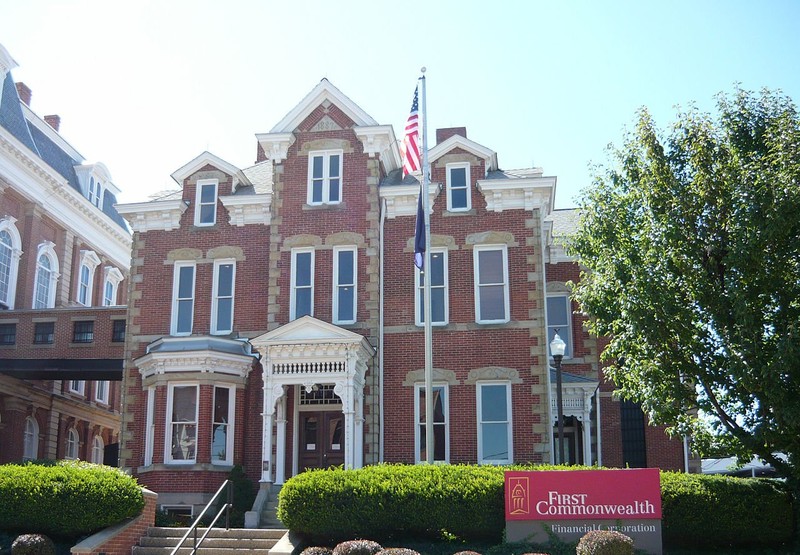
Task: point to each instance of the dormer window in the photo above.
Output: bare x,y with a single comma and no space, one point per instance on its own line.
458,187
205,207
95,180
325,177
95,192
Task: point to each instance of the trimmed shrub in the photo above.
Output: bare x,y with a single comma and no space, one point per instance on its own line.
68,499
723,511
398,551
357,547
605,542
467,553
317,551
33,544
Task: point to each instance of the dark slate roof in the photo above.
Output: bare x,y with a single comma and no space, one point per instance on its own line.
13,119
524,173
566,377
395,177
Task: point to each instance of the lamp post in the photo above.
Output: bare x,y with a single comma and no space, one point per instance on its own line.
557,347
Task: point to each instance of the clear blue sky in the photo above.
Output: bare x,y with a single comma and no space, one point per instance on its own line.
145,86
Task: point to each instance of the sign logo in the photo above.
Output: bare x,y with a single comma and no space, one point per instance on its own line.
518,488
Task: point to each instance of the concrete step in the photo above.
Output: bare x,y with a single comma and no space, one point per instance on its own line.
138,550
233,543
244,533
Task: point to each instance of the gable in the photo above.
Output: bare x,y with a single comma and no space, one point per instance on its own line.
320,98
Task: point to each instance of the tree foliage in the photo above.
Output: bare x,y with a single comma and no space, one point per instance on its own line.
690,241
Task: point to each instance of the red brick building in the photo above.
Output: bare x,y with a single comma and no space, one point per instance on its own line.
274,315
64,258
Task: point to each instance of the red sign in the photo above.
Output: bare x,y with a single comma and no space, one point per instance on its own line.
583,494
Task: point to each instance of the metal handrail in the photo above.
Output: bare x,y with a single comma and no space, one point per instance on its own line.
193,528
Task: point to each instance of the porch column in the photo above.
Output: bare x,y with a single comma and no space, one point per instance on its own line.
344,390
587,428
359,433
280,455
272,393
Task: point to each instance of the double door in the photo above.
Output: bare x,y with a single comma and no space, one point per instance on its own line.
321,439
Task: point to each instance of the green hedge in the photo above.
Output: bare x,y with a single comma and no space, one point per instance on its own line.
399,501
723,511
65,499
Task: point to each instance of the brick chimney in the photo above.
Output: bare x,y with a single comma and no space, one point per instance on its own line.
24,92
443,134
53,121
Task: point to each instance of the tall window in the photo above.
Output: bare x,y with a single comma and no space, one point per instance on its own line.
302,300
97,450
30,449
344,285
95,192
205,206
558,318
441,425
634,442
101,392
182,410
222,302
73,442
10,251
325,177
113,277
439,295
183,298
117,331
491,284
88,264
44,294
221,430
494,423
76,386
458,187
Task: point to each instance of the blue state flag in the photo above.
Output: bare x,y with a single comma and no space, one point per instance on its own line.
419,234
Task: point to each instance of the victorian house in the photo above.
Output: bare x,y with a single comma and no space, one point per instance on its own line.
275,315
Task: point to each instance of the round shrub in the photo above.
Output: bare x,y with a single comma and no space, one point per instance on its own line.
317,551
397,551
33,544
357,547
605,542
67,499
467,553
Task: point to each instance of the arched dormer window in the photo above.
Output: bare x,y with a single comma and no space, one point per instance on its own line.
111,281
94,180
10,252
44,291
88,265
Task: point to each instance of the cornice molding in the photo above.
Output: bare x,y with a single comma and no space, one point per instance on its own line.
275,145
380,140
518,194
162,215
401,200
248,209
197,362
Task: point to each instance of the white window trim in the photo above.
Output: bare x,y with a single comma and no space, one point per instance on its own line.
79,389
111,276
47,249
292,296
468,176
231,417
149,432
510,429
90,261
97,390
168,427
506,293
215,330
326,154
419,411
7,224
198,205
98,447
175,289
419,292
565,333
336,284
30,447
73,445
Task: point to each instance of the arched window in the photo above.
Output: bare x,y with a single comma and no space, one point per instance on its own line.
72,444
97,450
31,446
10,252
88,264
113,277
44,293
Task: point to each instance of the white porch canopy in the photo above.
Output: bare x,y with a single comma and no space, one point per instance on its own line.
577,392
307,352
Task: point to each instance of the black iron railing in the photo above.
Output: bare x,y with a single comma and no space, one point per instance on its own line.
192,531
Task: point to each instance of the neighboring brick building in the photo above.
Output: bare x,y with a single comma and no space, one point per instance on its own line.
64,258
290,285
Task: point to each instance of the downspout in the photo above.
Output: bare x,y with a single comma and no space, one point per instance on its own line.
380,331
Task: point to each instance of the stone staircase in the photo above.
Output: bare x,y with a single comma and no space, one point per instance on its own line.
235,541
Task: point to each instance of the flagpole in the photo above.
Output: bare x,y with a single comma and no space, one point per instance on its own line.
429,443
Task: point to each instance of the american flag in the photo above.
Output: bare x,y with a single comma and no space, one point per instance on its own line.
411,142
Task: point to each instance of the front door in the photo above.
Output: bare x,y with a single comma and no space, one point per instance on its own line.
321,439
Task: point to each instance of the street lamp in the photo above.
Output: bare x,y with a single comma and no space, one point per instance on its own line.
557,347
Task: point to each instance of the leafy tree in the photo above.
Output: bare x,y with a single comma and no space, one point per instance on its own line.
691,245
